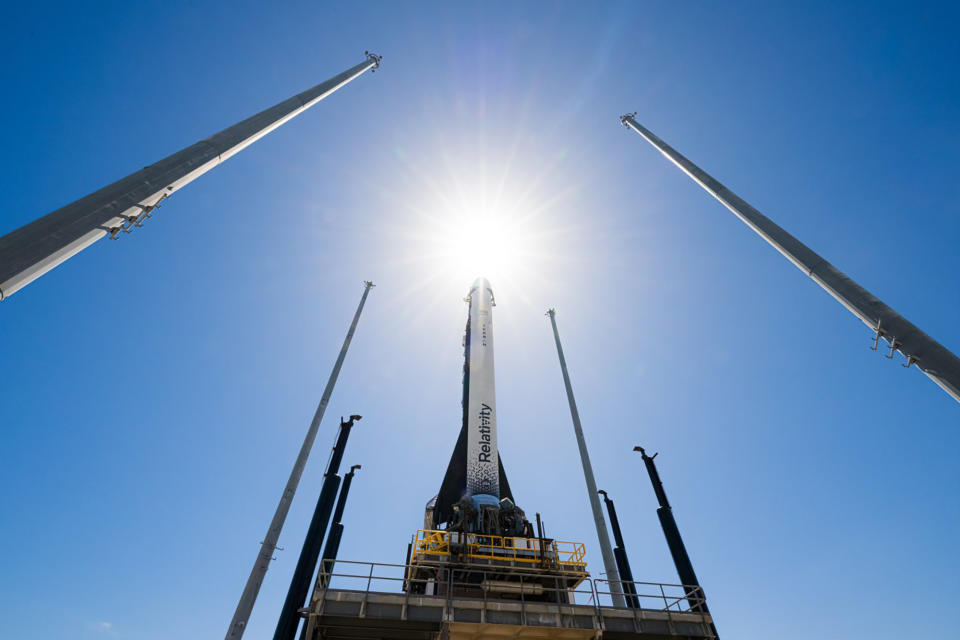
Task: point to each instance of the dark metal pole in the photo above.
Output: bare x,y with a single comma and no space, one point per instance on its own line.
620,553
688,578
936,361
406,566
303,574
336,533
30,251
262,563
329,556
543,559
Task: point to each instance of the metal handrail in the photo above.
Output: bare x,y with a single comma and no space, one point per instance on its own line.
673,597
482,546
692,595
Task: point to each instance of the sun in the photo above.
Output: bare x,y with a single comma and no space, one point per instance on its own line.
482,242
460,234
467,210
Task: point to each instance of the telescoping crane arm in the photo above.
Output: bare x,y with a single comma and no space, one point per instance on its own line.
936,361
35,248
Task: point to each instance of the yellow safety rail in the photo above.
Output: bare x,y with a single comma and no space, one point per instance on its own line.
474,545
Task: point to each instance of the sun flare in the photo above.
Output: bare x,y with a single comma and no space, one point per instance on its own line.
493,210
482,243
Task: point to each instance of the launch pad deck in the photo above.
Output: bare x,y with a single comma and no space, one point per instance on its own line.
364,611
479,569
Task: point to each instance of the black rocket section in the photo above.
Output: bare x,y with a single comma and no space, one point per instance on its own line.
454,483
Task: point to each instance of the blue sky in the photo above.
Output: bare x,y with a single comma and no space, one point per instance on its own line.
155,390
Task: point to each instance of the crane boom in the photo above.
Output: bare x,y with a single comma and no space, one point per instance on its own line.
37,247
936,361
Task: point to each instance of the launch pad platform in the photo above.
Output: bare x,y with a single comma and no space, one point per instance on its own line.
479,569
366,600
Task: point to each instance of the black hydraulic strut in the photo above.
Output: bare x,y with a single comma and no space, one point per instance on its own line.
620,554
303,574
671,532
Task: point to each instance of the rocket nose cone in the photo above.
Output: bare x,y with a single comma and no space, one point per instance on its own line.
481,284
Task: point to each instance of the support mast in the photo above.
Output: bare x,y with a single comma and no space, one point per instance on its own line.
678,551
332,547
289,618
242,615
30,251
620,554
606,550
931,357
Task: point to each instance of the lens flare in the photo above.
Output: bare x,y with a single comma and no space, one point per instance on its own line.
481,243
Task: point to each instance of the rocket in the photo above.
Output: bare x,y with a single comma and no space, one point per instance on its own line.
475,469
480,420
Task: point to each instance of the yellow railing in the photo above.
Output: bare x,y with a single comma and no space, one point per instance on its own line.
474,545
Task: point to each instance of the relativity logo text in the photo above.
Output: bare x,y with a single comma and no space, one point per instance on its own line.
485,447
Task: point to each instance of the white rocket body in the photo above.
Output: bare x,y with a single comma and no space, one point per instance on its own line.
483,464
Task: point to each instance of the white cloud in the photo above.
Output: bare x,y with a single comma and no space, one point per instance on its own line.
103,628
